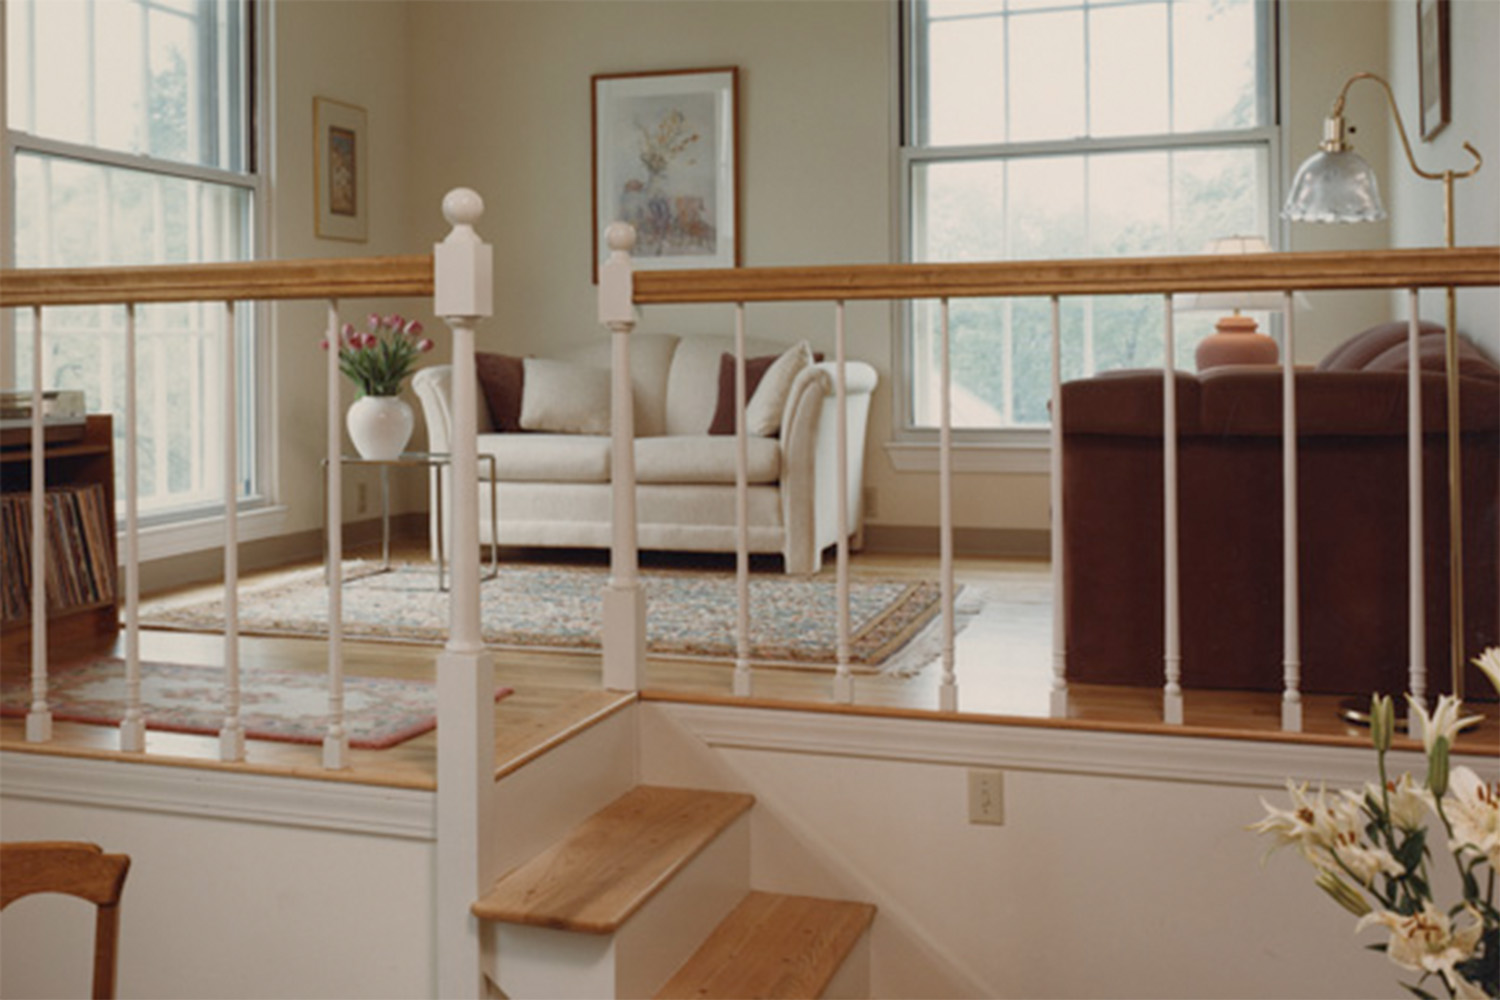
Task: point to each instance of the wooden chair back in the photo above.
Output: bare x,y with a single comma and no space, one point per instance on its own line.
74,869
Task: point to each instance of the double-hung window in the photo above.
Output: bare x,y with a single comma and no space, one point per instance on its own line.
129,140
1046,129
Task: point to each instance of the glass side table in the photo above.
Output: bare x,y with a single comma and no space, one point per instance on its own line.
432,461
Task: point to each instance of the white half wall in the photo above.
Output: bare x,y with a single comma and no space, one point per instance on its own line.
1123,869
239,886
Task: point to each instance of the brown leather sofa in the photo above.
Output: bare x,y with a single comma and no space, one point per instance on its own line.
1352,512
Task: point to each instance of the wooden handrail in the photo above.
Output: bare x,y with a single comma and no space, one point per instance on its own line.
1414,268
349,278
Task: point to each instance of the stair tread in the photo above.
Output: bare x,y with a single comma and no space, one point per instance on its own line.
613,862
772,946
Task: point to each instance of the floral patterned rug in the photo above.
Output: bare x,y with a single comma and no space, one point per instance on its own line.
690,613
280,705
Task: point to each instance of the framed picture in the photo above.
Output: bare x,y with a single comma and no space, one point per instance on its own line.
340,183
666,160
1432,64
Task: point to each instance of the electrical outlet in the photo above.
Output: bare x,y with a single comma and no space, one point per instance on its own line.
362,498
872,508
987,797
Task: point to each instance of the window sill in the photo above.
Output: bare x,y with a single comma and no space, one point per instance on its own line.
1031,456
179,538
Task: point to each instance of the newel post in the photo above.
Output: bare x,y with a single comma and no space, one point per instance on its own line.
463,275
624,633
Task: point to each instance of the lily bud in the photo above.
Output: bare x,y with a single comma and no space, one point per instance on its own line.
1342,893
1382,721
1437,767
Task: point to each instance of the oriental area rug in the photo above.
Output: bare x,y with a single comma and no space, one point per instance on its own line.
689,613
379,712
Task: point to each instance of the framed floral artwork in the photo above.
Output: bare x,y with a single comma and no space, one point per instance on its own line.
340,176
1432,65
666,160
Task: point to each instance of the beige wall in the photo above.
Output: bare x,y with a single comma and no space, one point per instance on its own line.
495,95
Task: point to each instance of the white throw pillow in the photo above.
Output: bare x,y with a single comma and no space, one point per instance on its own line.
564,398
763,411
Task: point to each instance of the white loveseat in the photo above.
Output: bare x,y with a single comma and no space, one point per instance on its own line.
554,488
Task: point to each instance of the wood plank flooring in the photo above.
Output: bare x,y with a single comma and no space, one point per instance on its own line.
1004,676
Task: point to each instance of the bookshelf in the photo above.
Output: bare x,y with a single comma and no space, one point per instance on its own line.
83,596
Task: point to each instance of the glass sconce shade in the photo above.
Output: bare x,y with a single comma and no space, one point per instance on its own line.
1334,187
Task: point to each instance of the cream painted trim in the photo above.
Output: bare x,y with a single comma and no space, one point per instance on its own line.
177,538
218,793
1013,457
1253,763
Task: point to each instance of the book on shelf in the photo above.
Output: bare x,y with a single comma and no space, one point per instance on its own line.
79,558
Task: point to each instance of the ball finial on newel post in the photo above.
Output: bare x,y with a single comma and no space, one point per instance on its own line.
620,237
462,207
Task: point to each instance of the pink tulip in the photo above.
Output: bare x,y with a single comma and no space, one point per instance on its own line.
323,344
373,321
413,328
424,345
395,321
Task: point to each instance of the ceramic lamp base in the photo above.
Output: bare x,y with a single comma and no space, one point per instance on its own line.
1236,341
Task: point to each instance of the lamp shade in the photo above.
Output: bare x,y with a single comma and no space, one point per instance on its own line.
1336,186
1219,301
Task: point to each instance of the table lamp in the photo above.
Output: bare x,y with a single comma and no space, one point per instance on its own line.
1236,339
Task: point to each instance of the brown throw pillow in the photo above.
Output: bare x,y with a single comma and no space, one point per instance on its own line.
755,370
501,378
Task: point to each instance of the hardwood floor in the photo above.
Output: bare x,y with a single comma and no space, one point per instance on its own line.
1003,677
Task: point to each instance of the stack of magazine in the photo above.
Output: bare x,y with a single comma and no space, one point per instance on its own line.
80,562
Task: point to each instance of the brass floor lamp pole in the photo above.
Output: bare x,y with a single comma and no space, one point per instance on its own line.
1336,185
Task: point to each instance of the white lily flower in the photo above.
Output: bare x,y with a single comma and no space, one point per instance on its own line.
1409,801
1489,662
1310,824
1443,723
1426,941
1364,861
1473,807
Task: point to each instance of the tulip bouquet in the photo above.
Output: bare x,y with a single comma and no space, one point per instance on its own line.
379,358
1372,852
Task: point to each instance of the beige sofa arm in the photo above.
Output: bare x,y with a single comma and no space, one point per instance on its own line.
809,457
434,388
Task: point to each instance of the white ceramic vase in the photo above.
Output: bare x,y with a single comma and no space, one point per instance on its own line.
380,426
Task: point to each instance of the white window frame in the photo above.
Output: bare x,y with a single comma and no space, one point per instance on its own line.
198,527
914,448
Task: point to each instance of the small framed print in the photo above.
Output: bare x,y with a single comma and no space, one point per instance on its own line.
1432,65
341,156
666,160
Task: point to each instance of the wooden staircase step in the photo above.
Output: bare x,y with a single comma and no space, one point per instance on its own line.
613,862
772,946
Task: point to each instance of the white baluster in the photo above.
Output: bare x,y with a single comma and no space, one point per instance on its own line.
133,724
1172,690
39,715
463,268
624,633
742,676
232,732
1291,590
948,691
1058,707
336,740
1417,570
843,684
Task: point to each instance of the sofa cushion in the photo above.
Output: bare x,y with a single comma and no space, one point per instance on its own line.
704,459
564,398
1362,348
547,458
501,378
763,411
1432,356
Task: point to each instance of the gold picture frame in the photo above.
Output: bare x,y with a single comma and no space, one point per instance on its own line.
341,159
